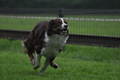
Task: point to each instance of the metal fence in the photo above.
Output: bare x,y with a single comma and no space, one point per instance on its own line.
86,26
90,22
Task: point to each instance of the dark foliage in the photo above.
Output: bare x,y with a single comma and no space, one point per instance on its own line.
74,4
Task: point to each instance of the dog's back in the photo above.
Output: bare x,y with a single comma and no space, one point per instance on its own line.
35,37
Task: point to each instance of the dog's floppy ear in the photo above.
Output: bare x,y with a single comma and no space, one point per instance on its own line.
51,23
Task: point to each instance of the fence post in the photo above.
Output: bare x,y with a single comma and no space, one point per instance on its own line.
61,12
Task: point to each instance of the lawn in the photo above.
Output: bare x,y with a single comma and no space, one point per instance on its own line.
105,28
76,63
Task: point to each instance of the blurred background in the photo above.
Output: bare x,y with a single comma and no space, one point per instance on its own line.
71,4
89,17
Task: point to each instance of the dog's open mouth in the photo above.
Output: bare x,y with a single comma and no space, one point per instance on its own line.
64,31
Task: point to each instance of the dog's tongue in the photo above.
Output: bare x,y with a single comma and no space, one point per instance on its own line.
64,31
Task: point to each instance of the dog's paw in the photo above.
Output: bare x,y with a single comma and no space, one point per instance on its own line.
36,67
54,65
33,62
41,72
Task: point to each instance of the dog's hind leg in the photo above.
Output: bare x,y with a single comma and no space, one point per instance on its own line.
29,51
30,54
31,58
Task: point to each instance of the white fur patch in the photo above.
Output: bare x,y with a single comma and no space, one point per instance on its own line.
53,44
37,59
23,44
63,23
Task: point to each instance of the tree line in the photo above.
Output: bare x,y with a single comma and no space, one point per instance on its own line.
71,4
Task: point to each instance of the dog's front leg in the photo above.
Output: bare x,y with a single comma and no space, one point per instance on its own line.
53,64
47,62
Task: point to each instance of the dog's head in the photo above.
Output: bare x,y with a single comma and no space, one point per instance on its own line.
58,26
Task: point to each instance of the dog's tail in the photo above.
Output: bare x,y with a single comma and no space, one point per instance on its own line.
25,48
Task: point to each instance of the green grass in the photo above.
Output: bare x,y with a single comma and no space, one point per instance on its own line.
76,63
105,28
18,24
95,27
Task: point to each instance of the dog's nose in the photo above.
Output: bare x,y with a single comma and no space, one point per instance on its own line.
65,26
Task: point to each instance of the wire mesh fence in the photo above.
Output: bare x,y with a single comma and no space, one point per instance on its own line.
89,22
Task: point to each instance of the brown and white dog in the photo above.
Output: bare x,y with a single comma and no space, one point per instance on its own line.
46,39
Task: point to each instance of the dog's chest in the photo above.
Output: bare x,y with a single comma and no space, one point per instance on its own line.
53,44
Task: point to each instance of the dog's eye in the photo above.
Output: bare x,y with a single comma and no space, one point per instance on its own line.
65,22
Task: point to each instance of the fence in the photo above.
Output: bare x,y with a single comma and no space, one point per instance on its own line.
89,22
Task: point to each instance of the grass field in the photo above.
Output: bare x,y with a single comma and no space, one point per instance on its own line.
76,63
106,28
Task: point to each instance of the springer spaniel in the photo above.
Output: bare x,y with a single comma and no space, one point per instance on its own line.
46,39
